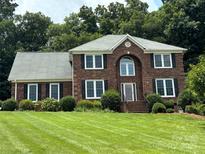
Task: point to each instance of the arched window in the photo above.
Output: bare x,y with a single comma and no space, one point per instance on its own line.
127,67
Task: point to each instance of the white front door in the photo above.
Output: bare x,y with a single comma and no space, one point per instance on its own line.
128,92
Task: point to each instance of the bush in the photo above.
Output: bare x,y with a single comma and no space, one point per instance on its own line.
9,105
169,104
67,103
86,104
38,106
1,104
26,105
50,104
152,99
202,109
186,98
170,110
191,109
159,108
111,100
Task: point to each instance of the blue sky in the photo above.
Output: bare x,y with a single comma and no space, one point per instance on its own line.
58,9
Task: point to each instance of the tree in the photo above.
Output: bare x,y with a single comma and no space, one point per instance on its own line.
196,78
32,28
7,45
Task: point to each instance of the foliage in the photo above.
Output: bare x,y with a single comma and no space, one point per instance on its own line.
197,108
38,106
67,103
50,104
1,103
170,110
169,103
158,108
111,100
152,99
187,97
84,105
9,105
26,105
196,79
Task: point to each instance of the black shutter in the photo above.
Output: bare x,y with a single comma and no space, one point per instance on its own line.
173,60
152,60
47,90
106,85
105,61
154,85
39,91
25,91
176,87
61,90
83,89
122,92
82,61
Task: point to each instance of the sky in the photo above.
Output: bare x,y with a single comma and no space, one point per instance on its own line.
59,9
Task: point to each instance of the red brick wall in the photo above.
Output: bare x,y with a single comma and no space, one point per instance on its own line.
144,72
67,89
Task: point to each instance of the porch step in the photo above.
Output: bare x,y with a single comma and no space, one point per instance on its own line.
134,107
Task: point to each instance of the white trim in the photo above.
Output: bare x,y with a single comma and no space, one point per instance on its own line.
127,68
165,88
41,80
28,91
94,62
94,86
134,88
162,60
16,91
54,84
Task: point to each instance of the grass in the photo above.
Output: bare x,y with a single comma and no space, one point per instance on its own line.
32,132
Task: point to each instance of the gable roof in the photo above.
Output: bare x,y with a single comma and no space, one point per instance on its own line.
41,66
109,43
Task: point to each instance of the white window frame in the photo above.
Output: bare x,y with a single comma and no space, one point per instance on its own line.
134,91
28,91
162,59
94,62
165,88
127,68
95,92
50,85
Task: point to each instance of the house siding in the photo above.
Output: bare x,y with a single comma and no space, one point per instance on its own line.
67,89
145,73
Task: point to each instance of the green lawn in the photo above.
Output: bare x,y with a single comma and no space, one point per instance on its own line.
32,132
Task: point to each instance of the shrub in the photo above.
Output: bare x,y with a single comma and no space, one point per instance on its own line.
169,104
67,103
50,104
159,108
186,98
152,99
26,105
170,110
111,100
9,105
191,109
37,106
1,104
202,109
86,104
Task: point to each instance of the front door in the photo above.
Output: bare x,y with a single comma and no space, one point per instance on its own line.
128,92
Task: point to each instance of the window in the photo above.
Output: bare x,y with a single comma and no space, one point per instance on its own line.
127,67
165,87
54,91
162,60
32,92
94,89
94,61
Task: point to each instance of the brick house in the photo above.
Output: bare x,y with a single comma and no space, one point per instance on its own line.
131,65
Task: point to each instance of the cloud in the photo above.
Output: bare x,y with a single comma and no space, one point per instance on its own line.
58,9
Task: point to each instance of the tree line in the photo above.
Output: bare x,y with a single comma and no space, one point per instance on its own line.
177,22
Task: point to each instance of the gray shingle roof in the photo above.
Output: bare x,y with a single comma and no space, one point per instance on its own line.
41,66
106,43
